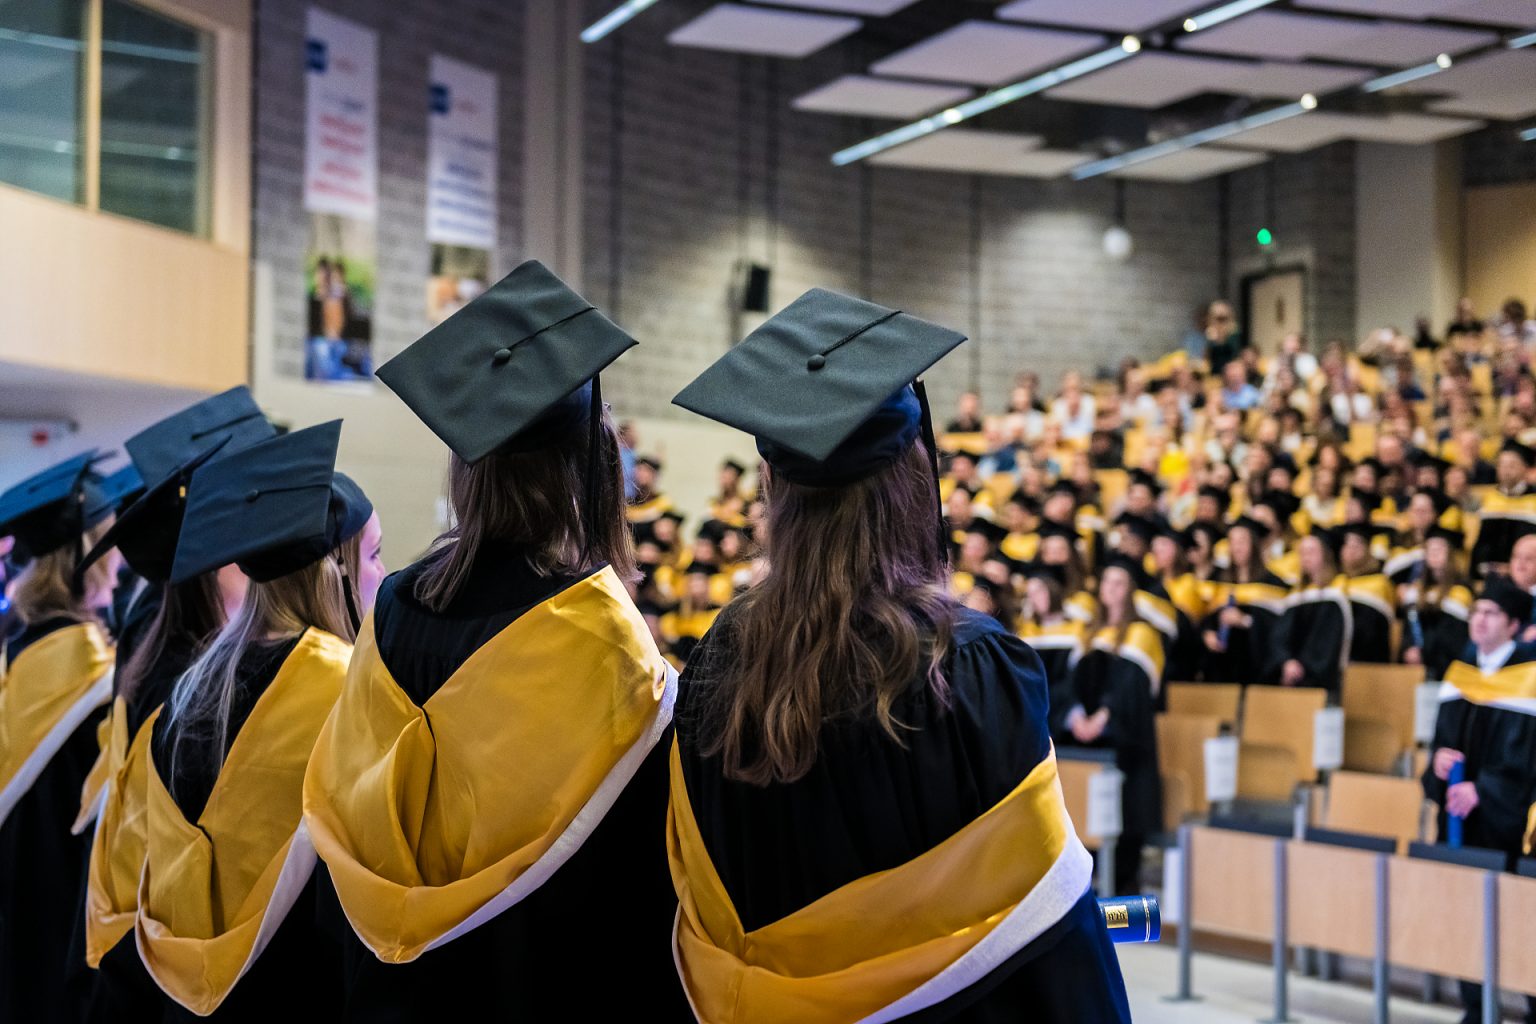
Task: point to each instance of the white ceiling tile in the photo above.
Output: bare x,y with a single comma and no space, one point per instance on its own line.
1285,79
866,96
1106,15
1512,13
869,8
987,53
742,29
1151,80
1281,35
969,151
1321,127
1500,84
1192,164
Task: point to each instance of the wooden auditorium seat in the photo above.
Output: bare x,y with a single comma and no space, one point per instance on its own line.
1275,755
1331,898
1181,759
1222,700
1517,933
1233,883
1377,805
1437,917
1378,715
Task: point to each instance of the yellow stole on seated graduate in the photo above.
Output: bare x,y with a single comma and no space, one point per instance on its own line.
213,892
425,832
888,944
117,845
1512,688
47,693
112,738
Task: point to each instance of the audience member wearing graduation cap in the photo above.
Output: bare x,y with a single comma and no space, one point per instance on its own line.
1487,724
55,682
1310,642
1435,603
1508,511
822,719
1109,701
1372,597
1045,625
226,858
1245,602
164,628
541,894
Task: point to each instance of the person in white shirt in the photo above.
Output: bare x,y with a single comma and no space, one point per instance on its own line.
1075,409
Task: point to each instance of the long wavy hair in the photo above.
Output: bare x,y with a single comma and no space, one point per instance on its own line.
192,611
853,609
202,701
534,499
44,589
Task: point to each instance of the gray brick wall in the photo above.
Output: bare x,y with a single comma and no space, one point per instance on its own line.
409,33
1048,298
1313,220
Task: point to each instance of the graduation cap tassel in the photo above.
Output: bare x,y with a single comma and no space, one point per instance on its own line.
589,512
931,443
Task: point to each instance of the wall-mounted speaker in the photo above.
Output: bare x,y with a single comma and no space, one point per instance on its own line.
754,288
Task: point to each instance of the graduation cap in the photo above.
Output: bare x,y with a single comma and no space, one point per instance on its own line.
1368,501
1421,458
988,529
53,508
1252,525
701,569
1220,495
1132,566
514,369
1054,529
651,461
673,516
1139,526
231,421
1526,453
712,531
1045,571
1511,599
1211,530
271,509
826,387
1438,498
146,531
732,464
1283,504
114,493
1145,479
1455,538
1282,459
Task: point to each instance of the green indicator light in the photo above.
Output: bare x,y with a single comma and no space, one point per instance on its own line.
1265,237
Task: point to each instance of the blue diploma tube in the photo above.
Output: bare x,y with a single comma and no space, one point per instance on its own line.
1453,823
1132,918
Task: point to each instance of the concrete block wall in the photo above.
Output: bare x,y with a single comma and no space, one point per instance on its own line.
1017,263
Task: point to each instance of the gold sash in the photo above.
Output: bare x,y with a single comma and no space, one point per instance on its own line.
888,944
214,892
48,692
412,808
1512,687
112,739
117,846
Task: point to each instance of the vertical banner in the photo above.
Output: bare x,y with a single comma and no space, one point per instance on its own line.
461,183
341,128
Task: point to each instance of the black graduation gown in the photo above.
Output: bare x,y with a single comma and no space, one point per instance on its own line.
1500,749
1315,631
42,869
591,943
1246,659
121,989
871,803
1127,687
1443,623
1373,606
1059,645
304,956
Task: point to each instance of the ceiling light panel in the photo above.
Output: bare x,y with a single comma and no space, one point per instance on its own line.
865,96
774,33
1117,16
987,53
969,151
1192,164
1282,35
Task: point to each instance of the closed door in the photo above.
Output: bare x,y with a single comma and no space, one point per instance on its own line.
1275,309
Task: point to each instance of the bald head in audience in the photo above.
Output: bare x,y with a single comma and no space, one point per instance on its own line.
1522,563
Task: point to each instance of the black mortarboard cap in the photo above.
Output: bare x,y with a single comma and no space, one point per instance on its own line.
649,460
824,386
1137,572
52,508
1252,525
1044,570
988,529
1455,538
231,420
733,464
146,531
1526,452
511,368
1284,505
1438,498
1502,591
1220,495
1212,531
1141,476
674,515
1053,529
1140,526
271,509
114,492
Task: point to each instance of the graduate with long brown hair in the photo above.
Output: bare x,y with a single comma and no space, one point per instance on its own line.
866,821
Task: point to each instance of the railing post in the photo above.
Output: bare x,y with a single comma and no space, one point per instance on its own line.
1381,977
1491,948
1186,916
1281,952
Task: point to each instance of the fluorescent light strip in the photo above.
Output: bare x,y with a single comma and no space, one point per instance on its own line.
980,105
1529,135
613,19
1519,42
1405,76
1226,12
1190,141
1028,87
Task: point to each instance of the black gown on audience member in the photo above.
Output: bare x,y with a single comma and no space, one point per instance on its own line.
296,975
564,952
1500,749
1246,658
1105,679
1314,630
871,803
42,867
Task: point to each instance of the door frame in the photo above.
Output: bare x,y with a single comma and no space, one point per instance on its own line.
1246,285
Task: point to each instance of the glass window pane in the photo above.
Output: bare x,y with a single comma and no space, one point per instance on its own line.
154,150
41,62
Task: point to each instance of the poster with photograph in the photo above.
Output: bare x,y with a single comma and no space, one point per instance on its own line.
341,195
461,184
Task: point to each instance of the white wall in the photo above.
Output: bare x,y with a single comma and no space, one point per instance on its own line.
1407,234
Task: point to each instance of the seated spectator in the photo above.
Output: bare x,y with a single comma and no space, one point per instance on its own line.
1074,411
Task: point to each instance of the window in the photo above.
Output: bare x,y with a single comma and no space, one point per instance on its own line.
142,151
41,68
